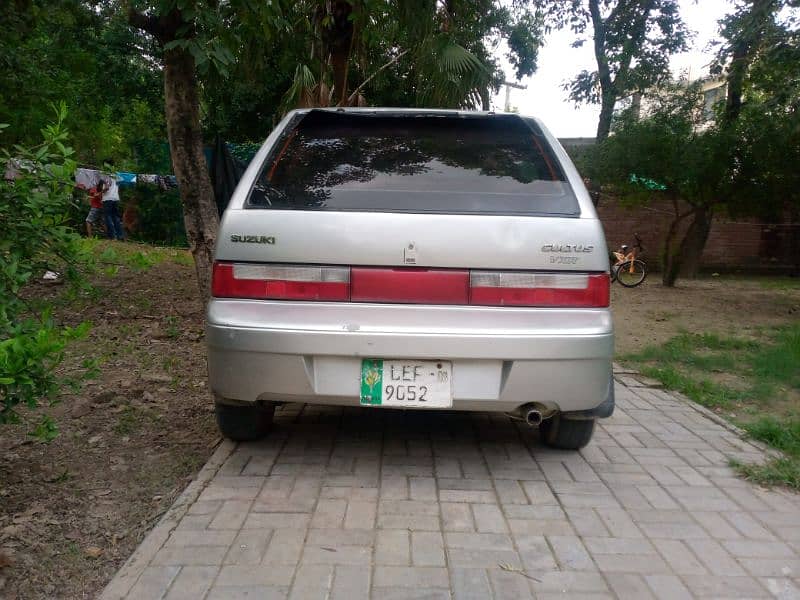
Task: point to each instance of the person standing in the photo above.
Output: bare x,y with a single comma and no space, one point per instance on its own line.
111,208
95,207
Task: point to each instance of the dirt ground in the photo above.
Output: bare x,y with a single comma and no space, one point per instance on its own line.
652,314
72,511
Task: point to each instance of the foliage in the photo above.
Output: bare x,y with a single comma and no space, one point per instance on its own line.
664,145
159,212
34,238
744,163
85,54
397,54
632,41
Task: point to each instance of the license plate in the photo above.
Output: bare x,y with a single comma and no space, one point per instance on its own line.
406,383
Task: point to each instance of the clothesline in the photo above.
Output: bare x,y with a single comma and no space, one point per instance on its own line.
88,178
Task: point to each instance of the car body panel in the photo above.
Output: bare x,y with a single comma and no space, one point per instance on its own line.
502,357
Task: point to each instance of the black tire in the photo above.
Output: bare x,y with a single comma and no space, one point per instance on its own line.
613,273
566,434
628,279
244,422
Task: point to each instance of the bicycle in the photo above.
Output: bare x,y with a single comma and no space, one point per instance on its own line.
629,270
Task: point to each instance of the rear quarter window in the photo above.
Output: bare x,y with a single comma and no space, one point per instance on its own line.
412,162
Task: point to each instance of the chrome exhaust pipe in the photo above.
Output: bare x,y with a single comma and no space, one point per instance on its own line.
533,413
533,417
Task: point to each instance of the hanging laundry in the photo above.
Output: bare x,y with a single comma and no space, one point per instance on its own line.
124,178
86,178
151,179
167,182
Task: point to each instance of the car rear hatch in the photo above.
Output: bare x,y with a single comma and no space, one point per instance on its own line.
414,208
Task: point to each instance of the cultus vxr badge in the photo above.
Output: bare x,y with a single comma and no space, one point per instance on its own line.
253,239
575,248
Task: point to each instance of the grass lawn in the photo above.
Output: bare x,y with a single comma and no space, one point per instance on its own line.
751,378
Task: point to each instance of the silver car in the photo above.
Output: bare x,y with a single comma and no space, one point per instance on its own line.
412,259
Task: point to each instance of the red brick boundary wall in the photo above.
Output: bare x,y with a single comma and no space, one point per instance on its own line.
746,244
732,244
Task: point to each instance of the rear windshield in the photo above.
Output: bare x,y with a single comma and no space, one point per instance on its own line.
498,164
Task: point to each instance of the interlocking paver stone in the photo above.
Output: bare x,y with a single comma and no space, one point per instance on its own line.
352,504
191,583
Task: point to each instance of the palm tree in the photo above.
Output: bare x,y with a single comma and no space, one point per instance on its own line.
421,35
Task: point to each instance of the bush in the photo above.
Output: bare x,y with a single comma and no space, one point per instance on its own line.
35,238
159,214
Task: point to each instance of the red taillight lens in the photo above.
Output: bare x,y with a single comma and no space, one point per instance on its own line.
280,282
564,290
409,286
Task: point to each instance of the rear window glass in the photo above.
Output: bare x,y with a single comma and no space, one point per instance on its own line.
497,164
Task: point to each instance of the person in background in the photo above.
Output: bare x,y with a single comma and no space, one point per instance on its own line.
95,207
111,208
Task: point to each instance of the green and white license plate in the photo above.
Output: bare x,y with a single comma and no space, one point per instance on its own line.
407,383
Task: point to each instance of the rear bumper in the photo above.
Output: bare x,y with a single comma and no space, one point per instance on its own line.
502,357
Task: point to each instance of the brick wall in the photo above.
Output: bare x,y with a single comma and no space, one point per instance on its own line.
745,243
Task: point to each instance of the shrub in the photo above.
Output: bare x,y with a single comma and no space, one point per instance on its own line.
35,238
159,214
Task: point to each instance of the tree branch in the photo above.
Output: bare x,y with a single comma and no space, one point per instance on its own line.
371,77
630,47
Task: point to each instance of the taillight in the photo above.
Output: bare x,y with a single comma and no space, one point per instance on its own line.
280,282
409,286
512,288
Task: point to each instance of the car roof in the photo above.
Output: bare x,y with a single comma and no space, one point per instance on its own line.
408,111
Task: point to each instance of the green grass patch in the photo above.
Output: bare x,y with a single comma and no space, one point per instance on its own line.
783,434
778,471
780,283
137,256
754,382
702,391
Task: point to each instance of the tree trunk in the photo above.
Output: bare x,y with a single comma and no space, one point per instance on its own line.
670,255
606,115
339,62
744,47
337,41
695,241
683,253
607,92
182,109
735,82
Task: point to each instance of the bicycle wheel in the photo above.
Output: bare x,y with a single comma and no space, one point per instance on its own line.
631,277
614,273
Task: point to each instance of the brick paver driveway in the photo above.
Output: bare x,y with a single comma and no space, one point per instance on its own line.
388,505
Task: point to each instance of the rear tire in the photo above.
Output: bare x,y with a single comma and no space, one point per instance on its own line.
628,279
566,434
244,422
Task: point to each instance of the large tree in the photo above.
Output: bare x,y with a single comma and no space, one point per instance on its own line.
632,42
663,154
204,40
195,37
744,164
425,53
